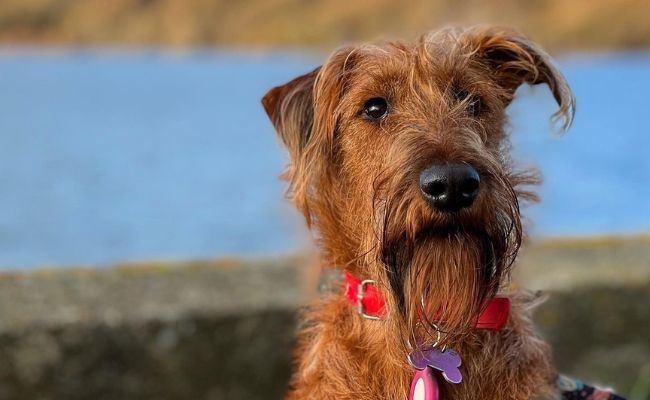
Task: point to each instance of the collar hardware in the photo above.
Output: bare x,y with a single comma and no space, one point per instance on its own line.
361,294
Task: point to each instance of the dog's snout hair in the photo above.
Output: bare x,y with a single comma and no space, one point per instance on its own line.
361,129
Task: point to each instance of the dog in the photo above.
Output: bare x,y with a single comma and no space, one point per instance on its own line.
399,161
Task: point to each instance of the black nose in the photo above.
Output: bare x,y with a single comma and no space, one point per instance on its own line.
450,187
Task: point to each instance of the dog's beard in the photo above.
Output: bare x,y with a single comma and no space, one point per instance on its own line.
442,269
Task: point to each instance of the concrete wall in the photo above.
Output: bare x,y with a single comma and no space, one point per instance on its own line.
224,330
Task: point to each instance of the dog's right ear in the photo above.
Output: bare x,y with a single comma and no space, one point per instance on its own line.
305,114
291,110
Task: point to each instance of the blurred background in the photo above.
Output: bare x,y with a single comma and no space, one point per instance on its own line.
145,247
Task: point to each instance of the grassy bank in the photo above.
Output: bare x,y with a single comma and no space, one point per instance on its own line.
579,24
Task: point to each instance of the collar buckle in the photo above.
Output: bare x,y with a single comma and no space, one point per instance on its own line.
361,292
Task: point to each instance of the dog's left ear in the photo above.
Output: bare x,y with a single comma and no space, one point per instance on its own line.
516,60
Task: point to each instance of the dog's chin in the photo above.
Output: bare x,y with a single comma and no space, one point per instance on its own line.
462,238
447,271
453,255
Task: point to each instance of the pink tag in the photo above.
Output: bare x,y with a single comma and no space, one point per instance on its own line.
424,385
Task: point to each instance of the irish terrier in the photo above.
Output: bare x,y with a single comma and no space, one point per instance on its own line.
399,162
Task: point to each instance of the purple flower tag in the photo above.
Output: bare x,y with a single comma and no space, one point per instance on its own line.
446,362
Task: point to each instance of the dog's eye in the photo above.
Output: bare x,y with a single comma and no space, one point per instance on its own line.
376,108
474,103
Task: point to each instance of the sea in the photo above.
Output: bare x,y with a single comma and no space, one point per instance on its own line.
110,156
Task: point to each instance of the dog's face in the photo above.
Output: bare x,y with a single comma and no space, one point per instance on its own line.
399,161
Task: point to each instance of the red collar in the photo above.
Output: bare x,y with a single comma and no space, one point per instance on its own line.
371,304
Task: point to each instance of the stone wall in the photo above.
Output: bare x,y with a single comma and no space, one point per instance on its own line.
224,329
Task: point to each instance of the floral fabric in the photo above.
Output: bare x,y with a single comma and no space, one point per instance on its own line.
573,389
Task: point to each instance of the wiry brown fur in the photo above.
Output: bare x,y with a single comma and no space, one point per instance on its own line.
356,182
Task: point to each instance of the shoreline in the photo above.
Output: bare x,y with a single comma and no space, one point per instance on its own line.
267,23
29,49
592,242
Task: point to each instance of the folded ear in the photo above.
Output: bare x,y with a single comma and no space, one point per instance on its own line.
291,110
305,114
515,60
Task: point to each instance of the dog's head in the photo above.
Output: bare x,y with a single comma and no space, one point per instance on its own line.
399,162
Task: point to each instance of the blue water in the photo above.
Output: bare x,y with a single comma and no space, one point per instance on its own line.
109,157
